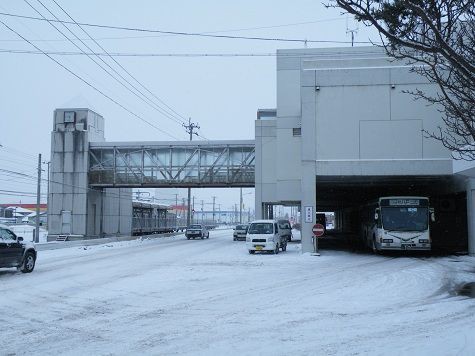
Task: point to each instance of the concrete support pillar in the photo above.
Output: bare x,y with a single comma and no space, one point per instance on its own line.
471,215
308,201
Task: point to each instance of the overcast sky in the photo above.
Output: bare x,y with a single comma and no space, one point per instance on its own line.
222,94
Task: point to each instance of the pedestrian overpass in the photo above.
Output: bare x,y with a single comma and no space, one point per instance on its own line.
90,189
186,164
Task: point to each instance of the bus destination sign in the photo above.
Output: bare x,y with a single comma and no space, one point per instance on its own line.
404,202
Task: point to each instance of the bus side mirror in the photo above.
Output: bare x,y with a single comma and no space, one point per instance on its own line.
432,214
376,214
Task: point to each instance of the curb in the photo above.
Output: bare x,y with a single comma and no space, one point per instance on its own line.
45,246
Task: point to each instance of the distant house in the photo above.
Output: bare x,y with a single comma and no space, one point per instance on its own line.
22,212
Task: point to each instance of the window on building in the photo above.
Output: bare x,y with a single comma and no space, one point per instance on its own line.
297,131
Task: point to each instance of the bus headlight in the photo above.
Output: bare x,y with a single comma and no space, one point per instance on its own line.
423,241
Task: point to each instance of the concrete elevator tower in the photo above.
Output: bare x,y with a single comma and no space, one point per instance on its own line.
75,209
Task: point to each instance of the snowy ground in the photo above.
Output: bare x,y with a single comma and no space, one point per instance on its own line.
210,297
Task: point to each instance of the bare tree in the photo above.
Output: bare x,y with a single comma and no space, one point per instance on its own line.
438,38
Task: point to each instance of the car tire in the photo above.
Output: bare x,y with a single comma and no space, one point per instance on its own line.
251,252
374,248
28,264
234,239
284,247
276,251
207,236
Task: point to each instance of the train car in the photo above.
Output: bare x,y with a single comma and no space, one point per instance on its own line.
150,218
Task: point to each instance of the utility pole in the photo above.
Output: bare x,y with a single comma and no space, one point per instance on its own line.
47,187
189,129
240,205
352,32
193,211
202,216
38,202
182,210
219,212
176,210
214,201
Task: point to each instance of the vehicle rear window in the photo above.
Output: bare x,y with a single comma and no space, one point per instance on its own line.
194,227
241,227
284,225
261,228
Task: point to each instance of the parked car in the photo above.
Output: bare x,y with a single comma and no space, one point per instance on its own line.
196,230
285,229
263,235
240,232
14,252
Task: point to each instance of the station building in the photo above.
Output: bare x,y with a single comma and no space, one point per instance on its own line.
345,131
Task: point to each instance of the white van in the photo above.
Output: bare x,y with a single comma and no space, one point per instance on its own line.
263,235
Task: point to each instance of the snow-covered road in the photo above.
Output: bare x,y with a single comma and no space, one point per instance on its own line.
210,297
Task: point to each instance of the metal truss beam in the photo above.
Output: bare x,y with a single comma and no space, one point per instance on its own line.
178,164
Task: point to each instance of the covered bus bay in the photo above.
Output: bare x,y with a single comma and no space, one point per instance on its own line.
345,196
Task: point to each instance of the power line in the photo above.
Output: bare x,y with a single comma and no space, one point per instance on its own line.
180,117
131,54
125,70
91,57
16,151
205,32
20,192
181,33
89,84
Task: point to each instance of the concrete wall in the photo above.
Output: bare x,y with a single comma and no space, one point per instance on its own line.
70,210
265,163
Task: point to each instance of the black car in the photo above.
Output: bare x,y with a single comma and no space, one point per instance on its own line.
14,252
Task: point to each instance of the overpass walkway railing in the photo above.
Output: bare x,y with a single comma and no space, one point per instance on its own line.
172,164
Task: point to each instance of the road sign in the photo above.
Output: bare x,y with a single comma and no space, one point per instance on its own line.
309,214
318,230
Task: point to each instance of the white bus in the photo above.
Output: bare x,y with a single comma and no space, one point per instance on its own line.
397,223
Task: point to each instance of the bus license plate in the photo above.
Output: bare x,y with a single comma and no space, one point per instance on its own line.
407,246
258,248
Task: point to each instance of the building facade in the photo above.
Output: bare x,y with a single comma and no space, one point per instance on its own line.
345,131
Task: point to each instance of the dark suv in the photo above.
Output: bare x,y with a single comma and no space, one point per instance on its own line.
14,252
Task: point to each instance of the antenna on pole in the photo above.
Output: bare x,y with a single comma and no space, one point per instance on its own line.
353,32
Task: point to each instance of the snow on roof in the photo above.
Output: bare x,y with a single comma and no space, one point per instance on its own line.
20,210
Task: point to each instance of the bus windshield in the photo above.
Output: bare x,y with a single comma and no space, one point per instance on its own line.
405,218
